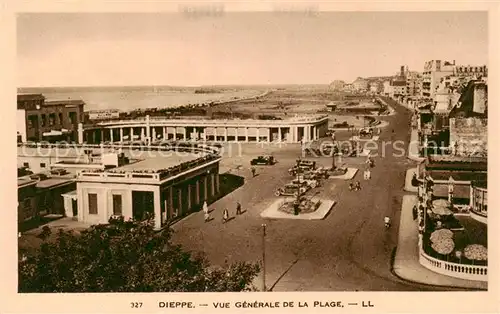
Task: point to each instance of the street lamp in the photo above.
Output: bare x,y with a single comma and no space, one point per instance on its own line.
450,190
458,254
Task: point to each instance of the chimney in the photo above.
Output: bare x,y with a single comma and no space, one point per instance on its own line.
402,70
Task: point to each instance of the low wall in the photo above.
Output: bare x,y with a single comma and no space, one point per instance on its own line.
478,217
461,271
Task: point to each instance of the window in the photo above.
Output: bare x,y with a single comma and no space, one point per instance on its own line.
26,164
117,204
52,119
93,203
42,165
72,117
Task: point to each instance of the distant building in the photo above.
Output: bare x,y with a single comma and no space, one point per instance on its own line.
387,88
360,84
40,120
434,70
337,85
475,72
469,121
41,194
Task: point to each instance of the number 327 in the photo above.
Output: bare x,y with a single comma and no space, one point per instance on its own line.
135,305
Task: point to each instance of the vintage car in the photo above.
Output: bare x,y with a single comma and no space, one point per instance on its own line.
317,174
307,163
263,160
308,180
292,189
366,132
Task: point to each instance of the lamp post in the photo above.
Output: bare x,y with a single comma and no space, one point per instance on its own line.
450,190
263,257
458,254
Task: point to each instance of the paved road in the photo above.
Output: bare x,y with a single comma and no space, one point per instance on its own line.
348,250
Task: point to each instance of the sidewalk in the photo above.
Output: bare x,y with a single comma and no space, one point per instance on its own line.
406,264
413,153
409,176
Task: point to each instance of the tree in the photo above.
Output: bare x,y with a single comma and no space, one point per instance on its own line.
125,256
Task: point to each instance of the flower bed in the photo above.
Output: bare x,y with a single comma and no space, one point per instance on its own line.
304,206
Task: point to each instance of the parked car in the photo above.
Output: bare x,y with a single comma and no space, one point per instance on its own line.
263,160
291,189
307,179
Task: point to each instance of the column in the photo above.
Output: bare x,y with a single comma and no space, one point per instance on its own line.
216,183
184,134
102,135
246,134
148,130
198,191
111,134
175,133
171,201
131,136
205,187
212,179
225,134
258,134
189,197
236,134
143,135
154,134
164,133
94,136
157,207
121,135
179,203
80,134
279,134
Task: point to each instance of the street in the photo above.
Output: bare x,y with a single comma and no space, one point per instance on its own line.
349,250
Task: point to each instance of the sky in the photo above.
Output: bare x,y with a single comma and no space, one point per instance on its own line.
114,49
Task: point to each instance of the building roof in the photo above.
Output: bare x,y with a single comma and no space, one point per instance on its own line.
23,181
29,96
52,182
465,105
458,175
156,164
64,102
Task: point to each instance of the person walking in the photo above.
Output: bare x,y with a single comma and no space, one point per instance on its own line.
253,172
205,207
207,216
238,208
225,215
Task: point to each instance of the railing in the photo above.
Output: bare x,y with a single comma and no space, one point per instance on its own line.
206,122
462,271
481,217
148,176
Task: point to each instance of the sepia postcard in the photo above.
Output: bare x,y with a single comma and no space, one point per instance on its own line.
315,157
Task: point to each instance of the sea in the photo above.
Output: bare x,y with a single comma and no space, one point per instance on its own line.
127,98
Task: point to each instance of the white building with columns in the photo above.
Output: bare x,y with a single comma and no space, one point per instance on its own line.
150,129
166,187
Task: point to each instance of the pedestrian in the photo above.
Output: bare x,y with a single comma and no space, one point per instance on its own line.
225,215
358,186
207,216
238,208
205,207
253,172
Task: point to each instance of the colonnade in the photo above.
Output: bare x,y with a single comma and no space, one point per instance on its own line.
150,134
